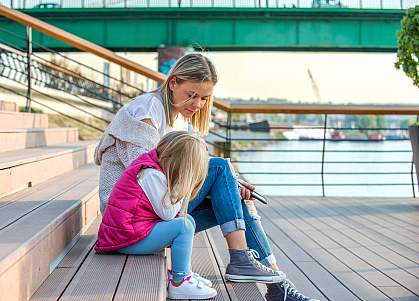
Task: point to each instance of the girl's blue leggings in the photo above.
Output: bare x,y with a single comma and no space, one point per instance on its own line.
178,233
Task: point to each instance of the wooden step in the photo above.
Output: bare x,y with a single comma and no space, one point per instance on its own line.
17,139
8,106
36,227
80,275
15,120
29,167
53,287
85,275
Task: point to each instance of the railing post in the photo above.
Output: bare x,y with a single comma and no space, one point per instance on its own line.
24,4
381,4
360,3
104,3
11,3
412,169
323,151
401,4
82,3
125,3
412,177
28,67
227,151
298,3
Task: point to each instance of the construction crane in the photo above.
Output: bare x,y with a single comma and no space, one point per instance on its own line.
314,86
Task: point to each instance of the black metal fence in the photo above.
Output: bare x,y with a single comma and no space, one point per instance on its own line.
56,75
318,154
33,72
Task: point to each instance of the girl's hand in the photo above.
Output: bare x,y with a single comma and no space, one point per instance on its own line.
246,189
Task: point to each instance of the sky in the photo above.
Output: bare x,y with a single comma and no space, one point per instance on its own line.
340,77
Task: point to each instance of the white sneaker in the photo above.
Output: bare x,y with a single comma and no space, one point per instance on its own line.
206,281
190,288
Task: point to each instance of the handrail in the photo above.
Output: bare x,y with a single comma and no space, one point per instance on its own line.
78,42
319,109
46,49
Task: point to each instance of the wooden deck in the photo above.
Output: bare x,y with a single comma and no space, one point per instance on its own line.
331,248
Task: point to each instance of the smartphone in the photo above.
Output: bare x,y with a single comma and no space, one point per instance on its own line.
257,196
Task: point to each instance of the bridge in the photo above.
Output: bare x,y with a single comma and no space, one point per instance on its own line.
315,25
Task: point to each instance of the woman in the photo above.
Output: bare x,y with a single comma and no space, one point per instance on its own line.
185,97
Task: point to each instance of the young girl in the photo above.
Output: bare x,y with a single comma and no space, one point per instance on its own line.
186,96
142,215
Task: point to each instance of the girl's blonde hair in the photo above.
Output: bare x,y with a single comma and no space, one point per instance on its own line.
184,160
193,67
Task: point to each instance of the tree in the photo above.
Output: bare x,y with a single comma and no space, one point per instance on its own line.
408,45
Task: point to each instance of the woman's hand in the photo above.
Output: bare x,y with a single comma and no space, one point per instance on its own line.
245,189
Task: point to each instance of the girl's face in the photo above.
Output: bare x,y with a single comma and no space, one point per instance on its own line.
189,97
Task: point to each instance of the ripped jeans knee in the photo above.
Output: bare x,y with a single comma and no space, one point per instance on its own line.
252,209
255,234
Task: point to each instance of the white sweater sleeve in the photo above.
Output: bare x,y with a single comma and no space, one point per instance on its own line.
154,184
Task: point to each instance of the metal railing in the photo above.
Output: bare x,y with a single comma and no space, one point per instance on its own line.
318,154
48,73
31,72
367,4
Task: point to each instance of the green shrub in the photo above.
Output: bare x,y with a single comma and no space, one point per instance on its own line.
408,45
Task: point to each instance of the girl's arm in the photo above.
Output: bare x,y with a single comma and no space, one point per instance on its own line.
154,185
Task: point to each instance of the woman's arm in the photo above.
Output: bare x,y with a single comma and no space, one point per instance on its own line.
128,152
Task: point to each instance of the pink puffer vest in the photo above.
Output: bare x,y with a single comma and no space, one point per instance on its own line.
129,216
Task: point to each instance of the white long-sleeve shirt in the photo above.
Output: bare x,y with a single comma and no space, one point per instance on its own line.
154,185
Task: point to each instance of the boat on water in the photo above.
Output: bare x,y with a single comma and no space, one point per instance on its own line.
337,135
261,126
376,137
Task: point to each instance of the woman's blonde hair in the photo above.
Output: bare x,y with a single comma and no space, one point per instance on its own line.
183,158
193,67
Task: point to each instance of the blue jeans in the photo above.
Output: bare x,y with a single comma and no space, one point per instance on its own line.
226,208
177,233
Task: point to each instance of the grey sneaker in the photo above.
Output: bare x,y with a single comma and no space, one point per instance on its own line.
244,267
285,291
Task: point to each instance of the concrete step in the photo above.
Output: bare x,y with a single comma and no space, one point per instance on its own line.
8,106
39,225
17,139
28,167
15,120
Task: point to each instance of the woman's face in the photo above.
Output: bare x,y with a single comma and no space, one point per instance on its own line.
189,97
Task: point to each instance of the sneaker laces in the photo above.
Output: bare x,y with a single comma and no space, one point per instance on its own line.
199,282
290,290
253,256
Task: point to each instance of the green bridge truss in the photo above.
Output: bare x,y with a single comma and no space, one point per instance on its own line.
220,29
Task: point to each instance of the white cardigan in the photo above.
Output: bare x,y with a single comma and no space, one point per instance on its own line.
123,141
